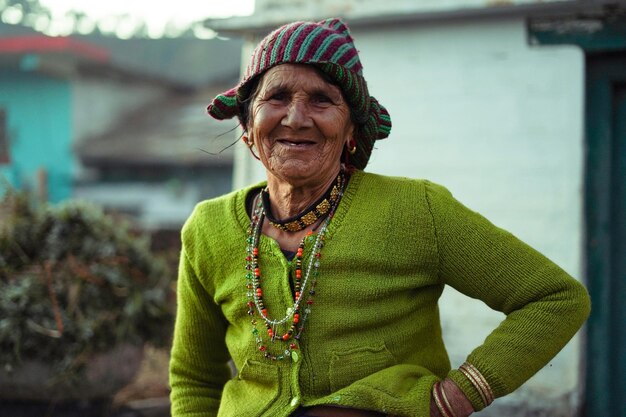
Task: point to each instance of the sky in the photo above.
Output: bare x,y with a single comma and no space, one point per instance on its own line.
121,17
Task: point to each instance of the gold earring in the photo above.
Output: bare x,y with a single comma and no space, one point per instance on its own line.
352,147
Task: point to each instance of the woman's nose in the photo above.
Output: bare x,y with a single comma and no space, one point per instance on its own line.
297,115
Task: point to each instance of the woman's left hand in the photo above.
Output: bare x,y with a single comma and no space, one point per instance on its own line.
461,406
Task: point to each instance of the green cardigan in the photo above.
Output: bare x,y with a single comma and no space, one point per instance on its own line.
373,339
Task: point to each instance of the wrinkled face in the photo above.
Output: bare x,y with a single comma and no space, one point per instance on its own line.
299,124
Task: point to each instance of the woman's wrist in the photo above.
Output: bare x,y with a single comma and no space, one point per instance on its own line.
434,410
447,400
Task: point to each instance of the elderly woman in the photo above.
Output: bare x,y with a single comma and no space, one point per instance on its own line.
321,283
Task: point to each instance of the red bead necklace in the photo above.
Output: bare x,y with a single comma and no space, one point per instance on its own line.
293,322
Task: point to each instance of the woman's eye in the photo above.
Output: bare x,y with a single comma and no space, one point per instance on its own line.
322,99
281,96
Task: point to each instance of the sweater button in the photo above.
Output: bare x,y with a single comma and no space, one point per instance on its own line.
295,401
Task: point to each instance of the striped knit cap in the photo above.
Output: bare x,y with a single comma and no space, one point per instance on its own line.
329,46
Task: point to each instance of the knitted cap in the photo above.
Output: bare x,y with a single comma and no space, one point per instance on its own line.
329,46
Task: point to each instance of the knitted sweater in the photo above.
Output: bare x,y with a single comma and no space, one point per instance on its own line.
373,339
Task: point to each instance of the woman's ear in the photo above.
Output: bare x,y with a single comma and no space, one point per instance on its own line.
249,143
350,134
350,141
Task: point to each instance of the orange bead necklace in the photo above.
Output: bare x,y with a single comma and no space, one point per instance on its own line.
293,321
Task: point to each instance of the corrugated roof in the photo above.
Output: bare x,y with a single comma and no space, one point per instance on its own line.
194,62
174,132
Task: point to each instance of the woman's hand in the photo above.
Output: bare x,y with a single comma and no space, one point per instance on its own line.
461,406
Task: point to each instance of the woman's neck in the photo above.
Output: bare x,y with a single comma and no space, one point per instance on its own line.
288,200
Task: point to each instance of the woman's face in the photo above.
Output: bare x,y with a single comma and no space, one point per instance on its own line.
299,124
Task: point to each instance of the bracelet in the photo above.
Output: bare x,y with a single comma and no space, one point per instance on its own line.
442,401
483,382
478,381
445,399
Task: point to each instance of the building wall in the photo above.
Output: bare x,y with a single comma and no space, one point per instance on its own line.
39,125
46,116
99,104
500,124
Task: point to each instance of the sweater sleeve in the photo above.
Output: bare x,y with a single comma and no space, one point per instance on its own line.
198,364
544,306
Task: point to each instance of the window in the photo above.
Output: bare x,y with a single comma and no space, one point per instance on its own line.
4,138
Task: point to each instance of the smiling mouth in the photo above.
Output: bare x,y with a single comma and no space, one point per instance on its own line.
296,144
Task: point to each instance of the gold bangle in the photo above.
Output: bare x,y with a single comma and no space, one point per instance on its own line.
438,402
475,384
445,399
479,382
481,378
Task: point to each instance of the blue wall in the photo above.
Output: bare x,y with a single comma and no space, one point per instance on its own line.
39,123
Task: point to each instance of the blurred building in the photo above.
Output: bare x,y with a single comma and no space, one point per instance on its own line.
37,84
160,160
519,108
121,123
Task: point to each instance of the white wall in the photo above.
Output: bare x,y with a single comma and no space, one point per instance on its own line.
499,123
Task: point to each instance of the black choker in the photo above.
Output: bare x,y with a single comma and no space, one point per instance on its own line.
309,216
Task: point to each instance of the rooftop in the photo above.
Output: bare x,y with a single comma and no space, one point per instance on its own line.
174,132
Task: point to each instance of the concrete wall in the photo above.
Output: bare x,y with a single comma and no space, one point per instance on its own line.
39,127
500,124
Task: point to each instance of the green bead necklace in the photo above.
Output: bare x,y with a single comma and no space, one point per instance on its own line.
293,321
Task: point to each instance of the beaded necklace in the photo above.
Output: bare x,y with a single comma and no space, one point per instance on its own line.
255,304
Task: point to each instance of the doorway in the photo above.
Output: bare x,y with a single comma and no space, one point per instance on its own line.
605,240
